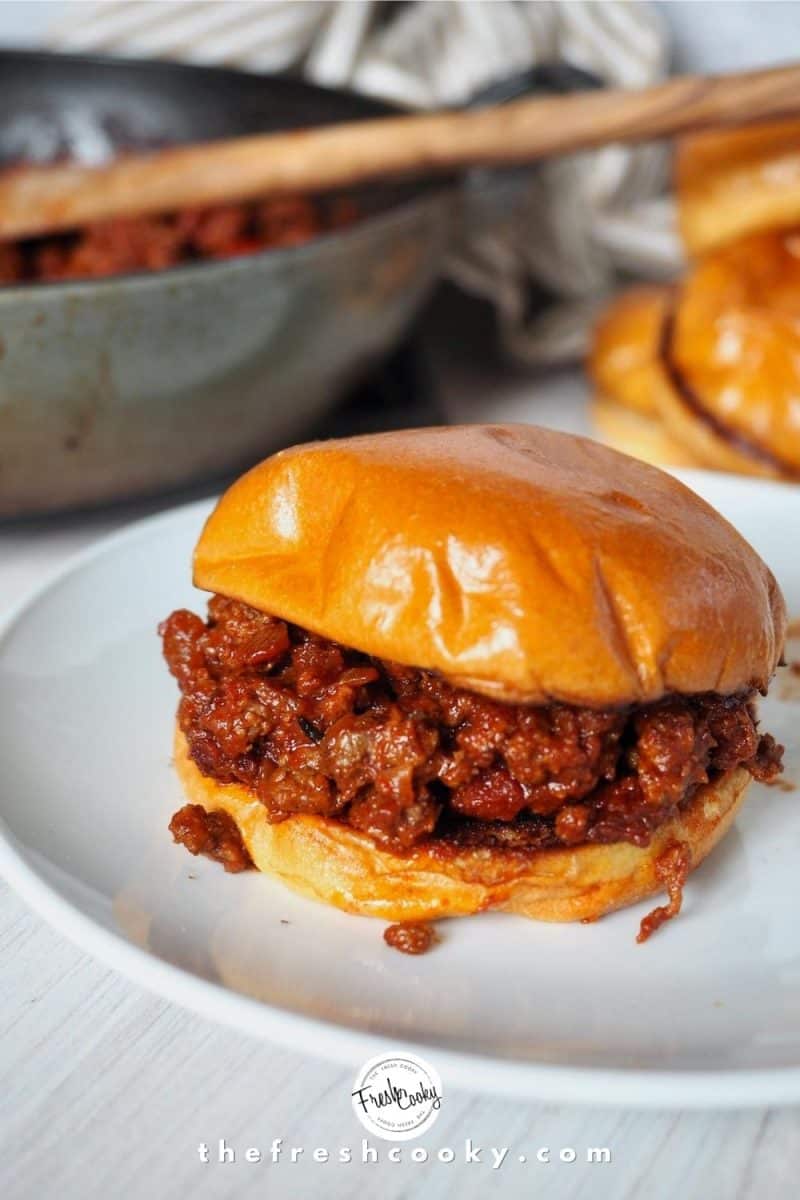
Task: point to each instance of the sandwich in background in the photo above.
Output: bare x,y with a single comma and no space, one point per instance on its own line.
706,372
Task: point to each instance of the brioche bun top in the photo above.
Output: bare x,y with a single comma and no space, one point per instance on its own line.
731,182
523,563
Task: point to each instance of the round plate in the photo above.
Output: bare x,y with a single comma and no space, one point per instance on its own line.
706,1013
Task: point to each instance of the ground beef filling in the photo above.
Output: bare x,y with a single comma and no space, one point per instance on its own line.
411,937
313,727
159,241
214,834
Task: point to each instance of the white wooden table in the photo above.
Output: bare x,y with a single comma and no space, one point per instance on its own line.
106,1091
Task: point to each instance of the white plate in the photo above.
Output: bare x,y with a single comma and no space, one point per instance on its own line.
706,1013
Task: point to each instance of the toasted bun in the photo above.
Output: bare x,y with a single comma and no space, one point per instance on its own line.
523,563
737,181
337,865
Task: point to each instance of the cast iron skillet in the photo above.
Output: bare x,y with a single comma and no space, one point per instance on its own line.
127,386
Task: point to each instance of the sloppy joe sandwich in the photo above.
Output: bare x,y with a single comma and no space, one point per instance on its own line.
458,669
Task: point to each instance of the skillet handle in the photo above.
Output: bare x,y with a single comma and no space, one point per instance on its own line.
544,79
489,193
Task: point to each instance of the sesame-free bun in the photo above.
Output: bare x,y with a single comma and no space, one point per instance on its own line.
337,865
523,563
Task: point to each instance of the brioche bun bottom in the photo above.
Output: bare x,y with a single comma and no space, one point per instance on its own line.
672,437
685,428
641,435
337,865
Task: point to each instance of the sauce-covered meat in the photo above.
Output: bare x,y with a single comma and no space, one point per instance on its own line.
672,870
398,753
410,937
153,243
214,834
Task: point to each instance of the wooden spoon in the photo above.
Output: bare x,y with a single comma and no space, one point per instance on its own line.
36,200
